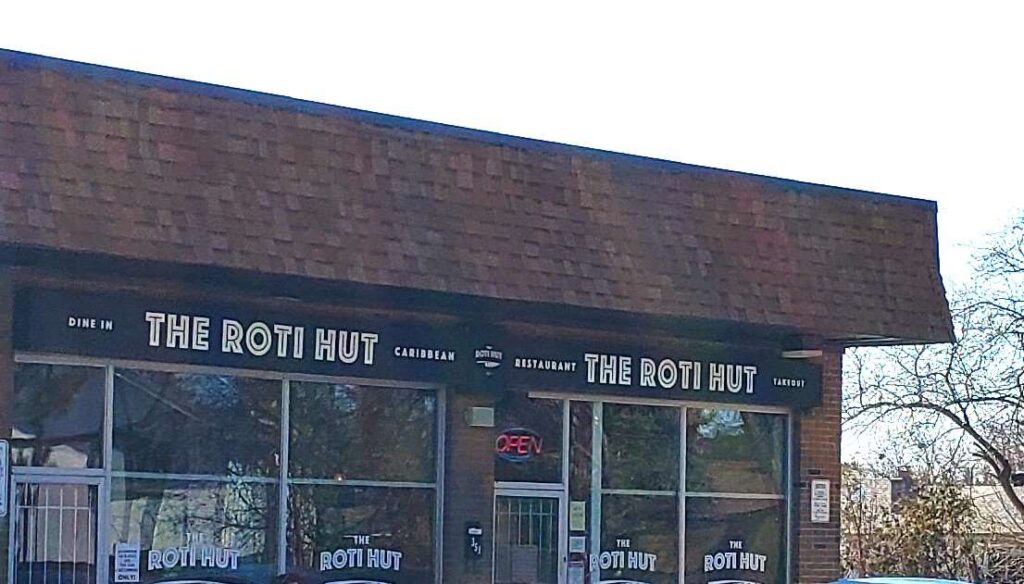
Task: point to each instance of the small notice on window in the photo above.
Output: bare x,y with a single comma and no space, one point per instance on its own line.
578,516
820,501
126,562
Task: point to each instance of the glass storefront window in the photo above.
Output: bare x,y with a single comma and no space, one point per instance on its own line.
528,441
195,470
196,424
348,432
735,540
581,417
355,534
58,416
641,447
193,488
639,539
196,531
729,451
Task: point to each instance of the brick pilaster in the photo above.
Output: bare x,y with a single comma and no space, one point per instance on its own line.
819,440
469,490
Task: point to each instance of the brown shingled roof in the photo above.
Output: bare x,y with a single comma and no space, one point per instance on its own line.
99,160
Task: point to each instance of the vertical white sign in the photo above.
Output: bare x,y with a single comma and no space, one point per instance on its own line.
820,501
126,562
5,475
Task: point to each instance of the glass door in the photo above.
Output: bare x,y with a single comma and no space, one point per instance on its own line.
54,530
527,537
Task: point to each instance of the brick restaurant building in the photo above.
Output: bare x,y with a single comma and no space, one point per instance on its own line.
244,335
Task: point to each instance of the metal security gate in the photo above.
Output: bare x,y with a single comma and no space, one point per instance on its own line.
54,531
527,542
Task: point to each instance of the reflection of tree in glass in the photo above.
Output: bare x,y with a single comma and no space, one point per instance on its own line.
711,524
542,416
326,517
57,406
580,445
651,525
360,432
641,447
205,424
232,515
713,423
733,451
212,391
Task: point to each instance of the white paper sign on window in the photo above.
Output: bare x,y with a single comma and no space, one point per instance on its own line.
126,562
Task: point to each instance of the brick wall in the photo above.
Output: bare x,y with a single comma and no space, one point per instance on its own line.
469,490
819,439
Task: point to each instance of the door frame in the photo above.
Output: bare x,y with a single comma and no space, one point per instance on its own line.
535,491
53,476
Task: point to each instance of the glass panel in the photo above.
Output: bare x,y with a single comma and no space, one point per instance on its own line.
339,533
729,451
526,540
639,539
734,540
195,424
54,534
185,530
58,416
528,446
641,447
581,416
342,431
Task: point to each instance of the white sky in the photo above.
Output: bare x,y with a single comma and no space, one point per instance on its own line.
913,98
922,99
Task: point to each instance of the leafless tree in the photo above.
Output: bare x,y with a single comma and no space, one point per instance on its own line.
969,392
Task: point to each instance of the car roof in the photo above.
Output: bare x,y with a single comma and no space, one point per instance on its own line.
896,580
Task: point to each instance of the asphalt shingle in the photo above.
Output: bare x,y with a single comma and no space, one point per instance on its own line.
99,160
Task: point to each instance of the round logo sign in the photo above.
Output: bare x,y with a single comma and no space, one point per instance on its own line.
488,357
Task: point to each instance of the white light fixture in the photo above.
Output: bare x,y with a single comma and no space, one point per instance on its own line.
480,417
802,354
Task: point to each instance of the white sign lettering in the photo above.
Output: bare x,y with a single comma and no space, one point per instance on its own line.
258,339
605,369
424,354
735,559
195,553
625,558
371,558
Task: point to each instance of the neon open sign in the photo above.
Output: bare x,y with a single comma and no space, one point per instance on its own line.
518,445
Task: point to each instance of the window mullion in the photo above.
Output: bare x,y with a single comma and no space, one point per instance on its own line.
282,487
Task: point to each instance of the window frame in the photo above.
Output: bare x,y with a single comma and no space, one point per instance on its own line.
281,479
682,494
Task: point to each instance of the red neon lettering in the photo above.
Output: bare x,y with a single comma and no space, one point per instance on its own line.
521,444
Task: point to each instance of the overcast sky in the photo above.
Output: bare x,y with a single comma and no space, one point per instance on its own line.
908,98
